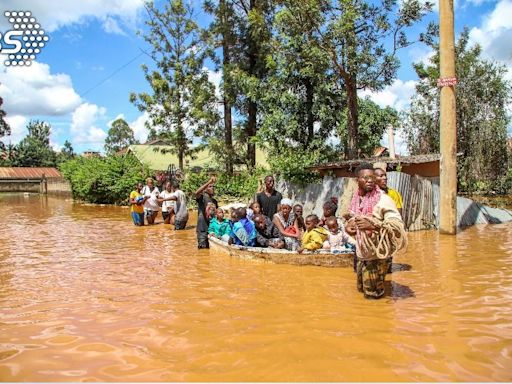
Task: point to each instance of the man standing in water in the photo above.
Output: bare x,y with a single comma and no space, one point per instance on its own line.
381,179
204,195
269,199
378,229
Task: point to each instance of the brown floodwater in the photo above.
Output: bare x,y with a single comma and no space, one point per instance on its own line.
87,296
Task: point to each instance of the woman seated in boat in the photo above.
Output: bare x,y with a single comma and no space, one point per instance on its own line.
338,241
219,226
244,232
286,222
268,235
314,236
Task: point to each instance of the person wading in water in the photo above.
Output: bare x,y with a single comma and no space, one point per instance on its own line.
204,195
379,232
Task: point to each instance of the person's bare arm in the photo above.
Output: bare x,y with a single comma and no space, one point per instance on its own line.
201,189
279,226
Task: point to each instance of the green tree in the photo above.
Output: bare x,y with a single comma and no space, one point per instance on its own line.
106,180
253,28
373,121
34,150
361,39
120,136
223,35
182,103
483,96
5,129
66,153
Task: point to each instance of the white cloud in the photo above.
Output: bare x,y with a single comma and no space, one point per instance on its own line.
110,25
397,95
58,13
83,125
33,90
140,130
18,125
495,34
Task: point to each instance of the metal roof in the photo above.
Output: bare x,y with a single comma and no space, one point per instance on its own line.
349,164
28,173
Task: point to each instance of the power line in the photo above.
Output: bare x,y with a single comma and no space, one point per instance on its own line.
112,74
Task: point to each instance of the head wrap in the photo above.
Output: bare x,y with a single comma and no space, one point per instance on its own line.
287,202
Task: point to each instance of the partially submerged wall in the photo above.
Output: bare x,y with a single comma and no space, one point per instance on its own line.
58,186
420,196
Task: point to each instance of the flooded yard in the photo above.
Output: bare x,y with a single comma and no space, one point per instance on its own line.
87,296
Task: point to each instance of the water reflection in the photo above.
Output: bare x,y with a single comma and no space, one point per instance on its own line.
87,296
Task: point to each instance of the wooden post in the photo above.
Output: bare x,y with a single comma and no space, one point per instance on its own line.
448,129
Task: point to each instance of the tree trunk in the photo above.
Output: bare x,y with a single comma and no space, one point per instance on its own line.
310,120
228,122
352,119
252,107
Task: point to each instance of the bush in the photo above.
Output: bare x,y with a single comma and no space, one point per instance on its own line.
106,180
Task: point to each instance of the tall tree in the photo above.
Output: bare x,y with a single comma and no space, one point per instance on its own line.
66,153
254,28
34,150
483,96
223,32
120,136
362,38
182,102
5,129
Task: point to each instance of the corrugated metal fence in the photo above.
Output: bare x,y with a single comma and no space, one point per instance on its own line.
420,196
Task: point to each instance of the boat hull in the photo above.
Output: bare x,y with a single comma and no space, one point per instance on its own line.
320,258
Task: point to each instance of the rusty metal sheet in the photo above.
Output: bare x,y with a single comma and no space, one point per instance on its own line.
28,173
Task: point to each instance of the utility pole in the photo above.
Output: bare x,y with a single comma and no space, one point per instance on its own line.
391,139
448,129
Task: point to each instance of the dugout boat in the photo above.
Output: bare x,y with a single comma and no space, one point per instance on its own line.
322,258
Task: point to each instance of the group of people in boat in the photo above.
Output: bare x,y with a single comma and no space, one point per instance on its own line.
372,226
276,222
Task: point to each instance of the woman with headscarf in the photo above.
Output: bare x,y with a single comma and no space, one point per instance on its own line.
286,222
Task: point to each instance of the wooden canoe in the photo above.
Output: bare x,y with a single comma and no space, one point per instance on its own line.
322,258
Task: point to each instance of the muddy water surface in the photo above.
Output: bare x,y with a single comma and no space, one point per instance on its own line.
86,296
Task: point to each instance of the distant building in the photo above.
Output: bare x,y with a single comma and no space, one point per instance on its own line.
91,154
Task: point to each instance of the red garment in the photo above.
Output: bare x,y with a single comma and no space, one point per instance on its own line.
365,205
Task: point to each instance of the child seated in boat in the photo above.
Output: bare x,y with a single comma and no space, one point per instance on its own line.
330,207
219,226
338,241
268,235
297,209
253,210
244,231
314,236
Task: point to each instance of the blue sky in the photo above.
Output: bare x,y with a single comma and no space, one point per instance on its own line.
81,80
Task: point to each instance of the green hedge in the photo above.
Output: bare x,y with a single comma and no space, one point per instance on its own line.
106,180
109,180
